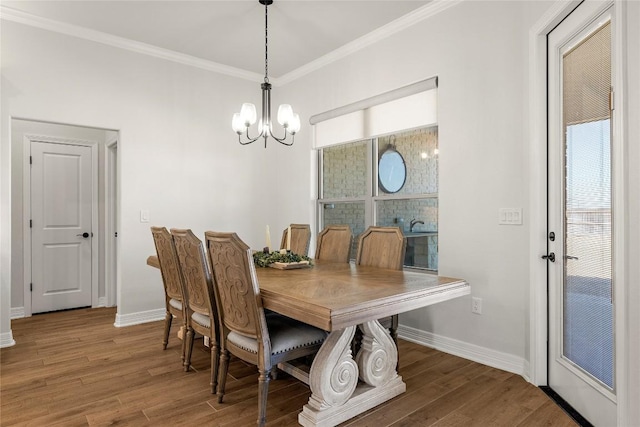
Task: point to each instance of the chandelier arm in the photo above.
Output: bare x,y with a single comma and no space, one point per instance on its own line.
283,142
246,142
249,139
284,138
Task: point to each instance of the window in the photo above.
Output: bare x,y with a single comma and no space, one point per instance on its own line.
351,192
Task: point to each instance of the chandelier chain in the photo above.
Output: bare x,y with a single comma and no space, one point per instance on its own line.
266,45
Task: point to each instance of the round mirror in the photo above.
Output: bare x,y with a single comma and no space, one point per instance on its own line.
392,171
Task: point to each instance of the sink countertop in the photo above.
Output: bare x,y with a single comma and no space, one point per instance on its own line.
414,234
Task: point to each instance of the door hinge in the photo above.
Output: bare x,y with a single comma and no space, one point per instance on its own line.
611,100
116,234
30,223
30,287
30,160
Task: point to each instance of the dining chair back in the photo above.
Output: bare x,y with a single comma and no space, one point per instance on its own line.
334,243
202,311
300,239
247,332
175,298
383,247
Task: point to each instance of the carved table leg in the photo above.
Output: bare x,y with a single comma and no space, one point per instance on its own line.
378,355
336,395
334,374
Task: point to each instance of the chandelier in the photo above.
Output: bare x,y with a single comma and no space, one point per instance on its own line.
247,115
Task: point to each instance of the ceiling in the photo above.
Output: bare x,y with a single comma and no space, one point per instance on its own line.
227,32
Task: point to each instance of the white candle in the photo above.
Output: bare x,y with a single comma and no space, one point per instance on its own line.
268,239
289,238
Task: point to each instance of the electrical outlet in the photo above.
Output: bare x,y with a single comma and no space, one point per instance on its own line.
476,305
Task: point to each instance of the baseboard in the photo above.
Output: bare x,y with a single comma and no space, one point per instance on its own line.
496,359
6,340
121,319
139,317
17,312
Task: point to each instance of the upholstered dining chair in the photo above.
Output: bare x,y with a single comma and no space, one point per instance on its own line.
247,333
175,298
300,238
202,311
383,247
334,243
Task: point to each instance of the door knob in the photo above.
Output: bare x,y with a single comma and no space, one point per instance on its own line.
85,235
551,257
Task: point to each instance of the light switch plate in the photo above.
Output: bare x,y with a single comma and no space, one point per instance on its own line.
144,215
510,216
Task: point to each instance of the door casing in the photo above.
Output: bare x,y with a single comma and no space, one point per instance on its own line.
111,222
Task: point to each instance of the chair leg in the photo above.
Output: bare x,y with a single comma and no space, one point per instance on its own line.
215,360
222,374
263,391
184,342
189,349
167,327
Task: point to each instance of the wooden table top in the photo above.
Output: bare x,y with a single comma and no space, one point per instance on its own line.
333,295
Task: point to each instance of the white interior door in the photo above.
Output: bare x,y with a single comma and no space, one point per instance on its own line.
581,280
61,209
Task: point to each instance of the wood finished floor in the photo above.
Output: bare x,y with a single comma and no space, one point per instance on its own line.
75,368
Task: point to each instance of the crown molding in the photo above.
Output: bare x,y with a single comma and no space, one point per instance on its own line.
20,17
433,8
427,11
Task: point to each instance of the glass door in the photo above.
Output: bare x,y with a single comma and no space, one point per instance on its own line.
581,305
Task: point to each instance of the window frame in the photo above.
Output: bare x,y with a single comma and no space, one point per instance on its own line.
373,195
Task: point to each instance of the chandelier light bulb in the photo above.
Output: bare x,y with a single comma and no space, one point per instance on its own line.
248,114
294,124
238,124
285,114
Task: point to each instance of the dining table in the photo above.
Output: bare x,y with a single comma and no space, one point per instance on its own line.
338,298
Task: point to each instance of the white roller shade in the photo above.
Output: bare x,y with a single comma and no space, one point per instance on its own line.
345,128
405,108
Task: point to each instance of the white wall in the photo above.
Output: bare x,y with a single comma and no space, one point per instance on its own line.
478,50
177,153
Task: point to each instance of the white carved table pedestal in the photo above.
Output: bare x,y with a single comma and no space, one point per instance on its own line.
336,393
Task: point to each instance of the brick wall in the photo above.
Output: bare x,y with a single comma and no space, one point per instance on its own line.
345,175
345,170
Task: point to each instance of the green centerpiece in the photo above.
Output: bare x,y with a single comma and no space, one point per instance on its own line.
262,259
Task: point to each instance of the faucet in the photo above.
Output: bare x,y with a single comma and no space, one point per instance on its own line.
413,223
